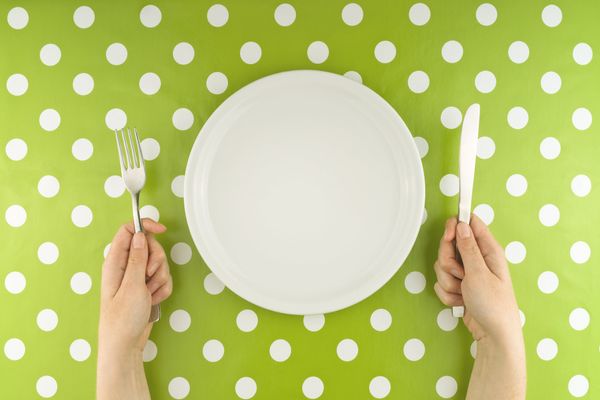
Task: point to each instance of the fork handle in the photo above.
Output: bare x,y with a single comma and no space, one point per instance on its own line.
137,222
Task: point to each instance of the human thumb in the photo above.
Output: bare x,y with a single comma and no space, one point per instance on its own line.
468,248
138,258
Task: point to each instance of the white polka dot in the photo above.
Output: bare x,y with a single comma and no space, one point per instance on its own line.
581,185
213,350
246,320
547,282
352,14
415,282
46,386
81,216
149,211
414,349
177,186
150,16
106,250
580,252
314,322
179,388
518,52
547,349
486,14
550,148
116,54
313,387
549,215
347,350
551,15
84,17
149,83
114,186
15,282
245,388
515,252
381,319
579,319
17,18
486,147
446,321
150,351
82,149
380,387
217,15
550,82
485,212
16,149
517,118
582,53
217,82
49,119
424,216
48,186
48,253
212,284
422,146
250,52
50,54
81,283
14,349
516,185
451,117
83,84
180,320
385,51
353,75
181,253
419,14
47,320
522,318
183,53
15,216
449,185
317,52
17,84
280,350
150,149
80,350
446,387
473,349
115,119
183,119
285,14
582,118
452,51
485,81
418,82
578,386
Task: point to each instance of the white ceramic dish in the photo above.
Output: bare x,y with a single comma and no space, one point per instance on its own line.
304,192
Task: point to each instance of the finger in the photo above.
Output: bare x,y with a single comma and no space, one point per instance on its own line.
116,262
160,277
157,256
446,250
449,299
491,250
138,258
149,225
469,250
452,267
162,293
448,282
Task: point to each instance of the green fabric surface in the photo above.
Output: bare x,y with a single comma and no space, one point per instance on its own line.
561,315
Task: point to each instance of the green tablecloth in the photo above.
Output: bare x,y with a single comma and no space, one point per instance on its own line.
70,71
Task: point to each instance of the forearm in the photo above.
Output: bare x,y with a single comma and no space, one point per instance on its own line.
499,370
120,375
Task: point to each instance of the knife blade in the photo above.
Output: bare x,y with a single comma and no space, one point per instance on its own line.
466,171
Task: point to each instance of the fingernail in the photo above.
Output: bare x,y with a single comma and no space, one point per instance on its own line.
138,240
463,230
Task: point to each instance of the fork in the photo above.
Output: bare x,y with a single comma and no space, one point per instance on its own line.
133,173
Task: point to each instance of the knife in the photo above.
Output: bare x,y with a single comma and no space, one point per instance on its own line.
466,172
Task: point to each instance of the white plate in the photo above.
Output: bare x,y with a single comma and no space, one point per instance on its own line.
304,192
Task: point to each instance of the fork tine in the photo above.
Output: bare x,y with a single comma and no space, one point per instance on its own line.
121,160
129,165
139,148
134,157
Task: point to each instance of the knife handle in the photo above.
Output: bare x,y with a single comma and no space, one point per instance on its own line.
464,215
